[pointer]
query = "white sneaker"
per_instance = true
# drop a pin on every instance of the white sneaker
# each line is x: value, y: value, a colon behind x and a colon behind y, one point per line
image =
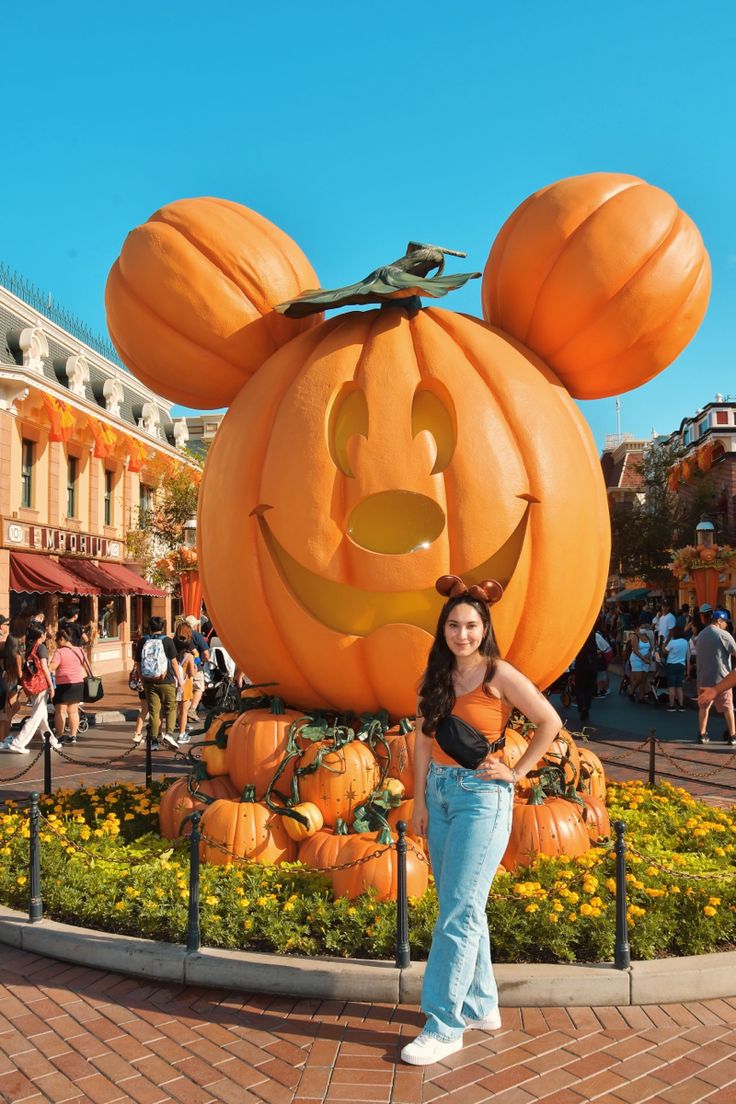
x: 425, y: 1050
x: 138, y: 739
x: 169, y: 741
x: 16, y: 748
x: 55, y: 744
x: 491, y: 1022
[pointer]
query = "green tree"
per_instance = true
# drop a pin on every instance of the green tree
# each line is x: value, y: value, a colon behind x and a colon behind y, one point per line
x: 644, y: 535
x: 162, y: 527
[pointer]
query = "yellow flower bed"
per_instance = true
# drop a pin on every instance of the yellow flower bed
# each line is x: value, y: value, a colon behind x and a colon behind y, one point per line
x: 105, y: 866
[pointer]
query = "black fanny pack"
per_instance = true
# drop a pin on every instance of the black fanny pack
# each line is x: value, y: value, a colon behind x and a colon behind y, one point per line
x: 463, y: 743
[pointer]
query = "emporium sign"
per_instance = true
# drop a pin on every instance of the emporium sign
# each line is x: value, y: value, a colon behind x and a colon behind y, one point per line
x: 44, y: 538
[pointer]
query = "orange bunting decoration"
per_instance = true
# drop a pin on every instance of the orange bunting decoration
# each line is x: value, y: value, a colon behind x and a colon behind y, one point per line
x: 61, y: 418
x: 106, y: 438
x: 137, y: 453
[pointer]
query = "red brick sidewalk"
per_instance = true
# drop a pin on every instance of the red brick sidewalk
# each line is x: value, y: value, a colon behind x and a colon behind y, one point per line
x: 72, y: 1034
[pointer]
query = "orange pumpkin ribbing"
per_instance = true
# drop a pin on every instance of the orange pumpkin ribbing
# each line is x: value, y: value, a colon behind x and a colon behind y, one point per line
x: 601, y: 275
x: 516, y: 433
x: 190, y: 299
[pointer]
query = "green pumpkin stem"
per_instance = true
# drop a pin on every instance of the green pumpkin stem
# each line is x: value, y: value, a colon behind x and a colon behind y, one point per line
x: 248, y: 795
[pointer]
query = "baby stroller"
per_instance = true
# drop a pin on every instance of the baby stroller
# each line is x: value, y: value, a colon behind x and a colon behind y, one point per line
x: 221, y: 693
x: 83, y: 721
x: 657, y: 693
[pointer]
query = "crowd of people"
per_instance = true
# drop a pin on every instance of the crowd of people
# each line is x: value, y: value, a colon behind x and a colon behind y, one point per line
x: 659, y: 650
x: 45, y: 667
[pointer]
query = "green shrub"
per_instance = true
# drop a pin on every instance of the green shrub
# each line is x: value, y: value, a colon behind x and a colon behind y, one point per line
x: 105, y: 866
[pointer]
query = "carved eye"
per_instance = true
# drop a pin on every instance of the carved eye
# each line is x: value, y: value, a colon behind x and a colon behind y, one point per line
x: 433, y: 409
x: 348, y: 416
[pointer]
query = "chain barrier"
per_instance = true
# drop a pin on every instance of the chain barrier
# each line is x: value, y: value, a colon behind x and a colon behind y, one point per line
x: 643, y: 746
x: 93, y: 762
x: 31, y: 765
x: 678, y: 764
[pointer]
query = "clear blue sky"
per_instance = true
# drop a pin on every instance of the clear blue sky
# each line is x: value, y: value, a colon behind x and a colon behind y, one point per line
x: 357, y: 127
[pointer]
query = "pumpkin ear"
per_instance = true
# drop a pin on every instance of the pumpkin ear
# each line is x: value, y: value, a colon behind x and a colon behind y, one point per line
x: 601, y: 275
x: 190, y: 299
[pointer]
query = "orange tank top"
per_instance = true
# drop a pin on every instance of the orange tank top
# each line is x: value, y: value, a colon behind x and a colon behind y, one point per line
x: 488, y: 715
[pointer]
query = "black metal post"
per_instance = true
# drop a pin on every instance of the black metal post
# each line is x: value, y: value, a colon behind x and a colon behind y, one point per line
x: 621, y: 952
x: 47, y: 764
x: 403, y: 952
x: 149, y: 756
x: 193, y: 918
x: 35, y: 904
x: 652, y: 755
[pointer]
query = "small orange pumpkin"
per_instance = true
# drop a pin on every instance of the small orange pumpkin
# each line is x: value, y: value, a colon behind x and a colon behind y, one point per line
x: 311, y: 813
x: 324, y: 849
x: 345, y: 778
x: 401, y: 740
x: 596, y: 817
x: 379, y: 873
x: 544, y: 826
x: 256, y: 745
x: 214, y: 747
x: 244, y: 830
x: 592, y: 775
x: 186, y: 796
x: 563, y: 753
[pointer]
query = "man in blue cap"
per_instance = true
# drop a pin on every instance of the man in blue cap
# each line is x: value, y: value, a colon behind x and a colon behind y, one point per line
x: 714, y: 648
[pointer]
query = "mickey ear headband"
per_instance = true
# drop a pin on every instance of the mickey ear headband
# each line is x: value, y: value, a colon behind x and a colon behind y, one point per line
x: 452, y: 586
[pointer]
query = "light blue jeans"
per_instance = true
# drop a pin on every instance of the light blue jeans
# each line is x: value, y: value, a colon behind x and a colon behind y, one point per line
x: 469, y: 826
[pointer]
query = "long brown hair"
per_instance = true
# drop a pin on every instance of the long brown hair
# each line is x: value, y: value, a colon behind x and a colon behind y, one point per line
x: 436, y: 692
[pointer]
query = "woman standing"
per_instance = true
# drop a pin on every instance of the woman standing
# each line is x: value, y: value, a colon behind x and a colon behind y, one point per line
x: 68, y: 666
x: 11, y: 672
x: 465, y: 812
x: 642, y: 652
x: 185, y: 653
x: 37, y: 683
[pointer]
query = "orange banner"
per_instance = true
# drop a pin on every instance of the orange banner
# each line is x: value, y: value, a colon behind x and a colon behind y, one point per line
x: 105, y: 437
x: 137, y: 453
x: 62, y: 420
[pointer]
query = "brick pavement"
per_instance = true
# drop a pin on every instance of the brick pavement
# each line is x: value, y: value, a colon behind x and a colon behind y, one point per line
x: 68, y: 1033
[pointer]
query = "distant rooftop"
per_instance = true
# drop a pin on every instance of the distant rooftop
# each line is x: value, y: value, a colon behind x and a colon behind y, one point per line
x: 44, y: 302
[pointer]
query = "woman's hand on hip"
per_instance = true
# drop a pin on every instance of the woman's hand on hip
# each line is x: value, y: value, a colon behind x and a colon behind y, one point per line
x: 496, y: 770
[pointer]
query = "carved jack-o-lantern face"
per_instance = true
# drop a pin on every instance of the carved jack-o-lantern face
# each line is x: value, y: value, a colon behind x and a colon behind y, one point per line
x: 365, y: 459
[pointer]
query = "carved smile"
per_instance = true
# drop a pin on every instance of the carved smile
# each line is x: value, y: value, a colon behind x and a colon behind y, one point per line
x: 354, y: 612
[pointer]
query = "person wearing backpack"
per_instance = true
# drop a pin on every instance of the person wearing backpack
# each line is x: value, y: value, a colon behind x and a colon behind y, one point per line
x: 36, y: 681
x: 155, y: 655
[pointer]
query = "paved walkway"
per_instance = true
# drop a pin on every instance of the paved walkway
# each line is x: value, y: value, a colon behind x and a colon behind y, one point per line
x: 68, y: 1033
x: 72, y: 1034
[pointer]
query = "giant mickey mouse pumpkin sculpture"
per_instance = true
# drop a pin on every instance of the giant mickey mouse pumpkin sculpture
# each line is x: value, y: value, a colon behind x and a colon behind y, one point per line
x: 379, y: 449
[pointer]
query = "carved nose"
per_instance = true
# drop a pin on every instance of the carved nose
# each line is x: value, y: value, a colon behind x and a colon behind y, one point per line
x: 395, y: 522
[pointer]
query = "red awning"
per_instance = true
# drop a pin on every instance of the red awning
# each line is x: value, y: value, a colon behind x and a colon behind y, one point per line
x: 31, y: 573
x: 128, y: 581
x: 98, y: 576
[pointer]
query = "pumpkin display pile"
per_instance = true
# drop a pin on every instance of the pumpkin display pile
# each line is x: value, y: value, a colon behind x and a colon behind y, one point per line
x: 356, y: 464
x: 274, y: 786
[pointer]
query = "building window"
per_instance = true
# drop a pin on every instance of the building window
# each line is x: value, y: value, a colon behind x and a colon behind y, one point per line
x: 26, y: 473
x: 688, y: 435
x: 703, y: 427
x: 721, y: 417
x: 108, y: 498
x: 144, y: 499
x: 71, y: 486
